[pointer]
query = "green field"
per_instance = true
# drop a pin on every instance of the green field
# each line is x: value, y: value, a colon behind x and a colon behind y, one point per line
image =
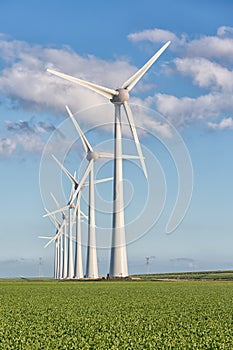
x: 116, y: 315
x: 190, y: 276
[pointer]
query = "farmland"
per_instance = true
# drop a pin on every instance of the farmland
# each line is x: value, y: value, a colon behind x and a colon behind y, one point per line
x: 116, y: 315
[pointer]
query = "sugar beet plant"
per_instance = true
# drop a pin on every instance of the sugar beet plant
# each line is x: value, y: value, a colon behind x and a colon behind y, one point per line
x: 116, y: 315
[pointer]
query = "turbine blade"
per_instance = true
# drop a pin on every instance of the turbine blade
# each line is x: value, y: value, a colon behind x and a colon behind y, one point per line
x: 56, y: 235
x: 55, y: 200
x: 88, y: 169
x: 83, y: 215
x: 56, y: 211
x: 78, y: 196
x: 106, y: 155
x: 85, y: 142
x: 135, y: 135
x: 130, y: 156
x: 106, y: 92
x: 103, y: 180
x: 77, y: 205
x: 50, y: 241
x: 72, y: 178
x: 56, y: 222
x: 54, y: 218
x: 72, y: 188
x: 71, y: 193
x: 111, y: 156
x: 132, y: 81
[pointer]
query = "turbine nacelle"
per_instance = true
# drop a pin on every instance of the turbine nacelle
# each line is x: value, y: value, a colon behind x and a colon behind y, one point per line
x: 92, y: 155
x: 121, y: 97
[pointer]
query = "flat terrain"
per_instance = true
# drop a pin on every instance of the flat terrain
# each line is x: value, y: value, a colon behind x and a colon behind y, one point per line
x: 189, y: 276
x: 116, y: 315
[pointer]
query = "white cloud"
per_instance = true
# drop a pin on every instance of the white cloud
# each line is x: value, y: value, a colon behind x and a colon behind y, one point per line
x: 30, y: 144
x: 205, y: 73
x: 26, y: 136
x: 224, y: 124
x: 7, y: 147
x: 212, y: 47
x: 218, y: 47
x: 25, y: 78
x: 187, y: 110
x: 155, y: 35
x: 225, y: 31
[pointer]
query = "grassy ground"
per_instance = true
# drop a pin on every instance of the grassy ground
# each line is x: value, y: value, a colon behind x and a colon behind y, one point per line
x: 203, y: 275
x: 116, y: 315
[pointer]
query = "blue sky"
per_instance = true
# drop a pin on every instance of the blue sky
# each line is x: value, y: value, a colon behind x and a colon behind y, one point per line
x: 191, y: 88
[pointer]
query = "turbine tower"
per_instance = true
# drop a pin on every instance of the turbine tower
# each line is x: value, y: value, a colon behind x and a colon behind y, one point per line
x: 119, y: 97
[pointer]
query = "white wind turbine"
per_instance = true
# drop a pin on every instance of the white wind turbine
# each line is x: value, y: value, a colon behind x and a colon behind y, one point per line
x: 119, y: 97
x: 78, y: 265
x: 58, y: 248
x: 91, y: 264
x: 68, y: 261
x: 56, y: 260
x: 93, y: 273
x: 62, y: 242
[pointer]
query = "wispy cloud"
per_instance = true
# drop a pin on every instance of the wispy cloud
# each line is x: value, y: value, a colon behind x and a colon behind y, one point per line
x: 7, y: 147
x: 157, y: 35
x: 218, y: 46
x: 224, y: 124
x: 187, y: 110
x: 26, y: 135
x: 206, y: 74
x: 28, y: 127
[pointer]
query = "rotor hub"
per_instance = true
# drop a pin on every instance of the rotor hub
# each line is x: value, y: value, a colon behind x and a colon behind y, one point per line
x: 92, y: 155
x: 123, y: 96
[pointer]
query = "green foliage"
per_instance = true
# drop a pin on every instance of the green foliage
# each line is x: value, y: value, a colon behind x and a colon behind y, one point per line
x: 116, y: 315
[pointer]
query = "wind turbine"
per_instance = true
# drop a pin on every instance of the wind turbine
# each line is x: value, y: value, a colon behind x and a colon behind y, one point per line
x: 119, y: 97
x: 78, y: 265
x: 57, y: 239
x: 56, y: 264
x: 68, y: 261
x: 62, y: 242
x: 91, y: 265
x: 78, y: 272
